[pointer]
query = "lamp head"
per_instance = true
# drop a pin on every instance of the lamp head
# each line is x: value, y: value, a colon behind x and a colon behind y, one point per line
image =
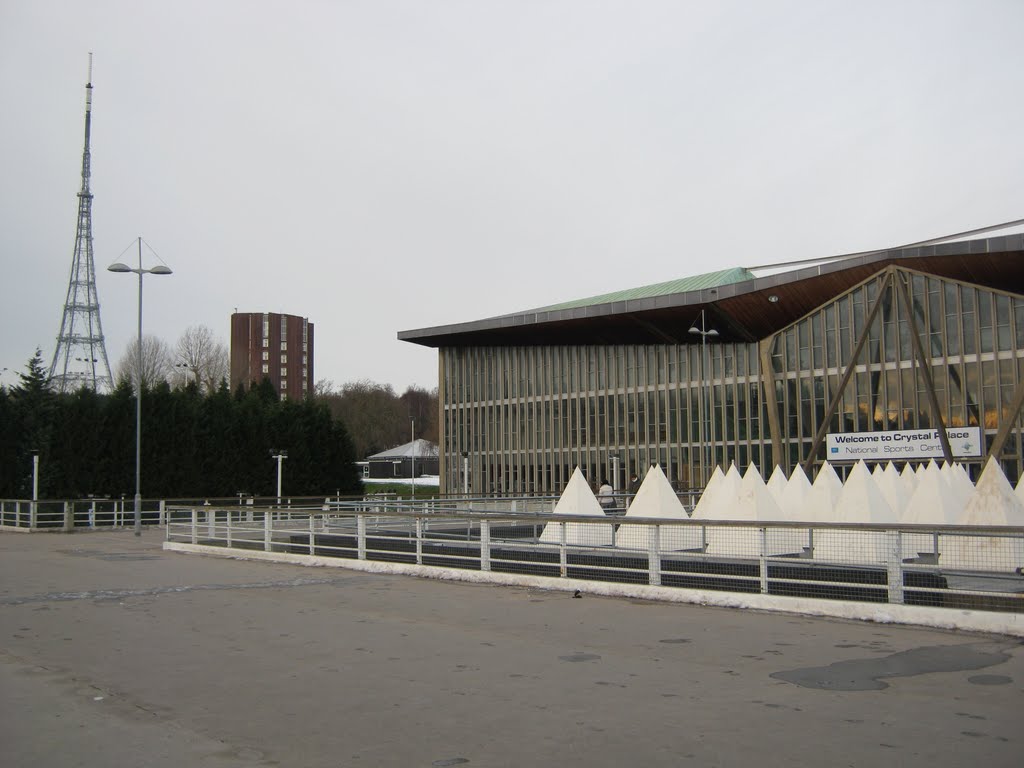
x: 160, y: 269
x: 694, y: 329
x: 119, y: 267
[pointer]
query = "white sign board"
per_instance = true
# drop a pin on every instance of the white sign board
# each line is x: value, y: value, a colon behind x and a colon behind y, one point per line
x: 903, y: 444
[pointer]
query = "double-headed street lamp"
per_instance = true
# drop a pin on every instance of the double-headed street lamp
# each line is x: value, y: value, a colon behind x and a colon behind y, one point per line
x: 189, y: 367
x: 704, y: 332
x: 159, y: 269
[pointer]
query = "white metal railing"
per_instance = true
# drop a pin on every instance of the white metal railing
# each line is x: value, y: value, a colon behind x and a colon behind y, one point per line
x: 68, y: 515
x: 978, y: 568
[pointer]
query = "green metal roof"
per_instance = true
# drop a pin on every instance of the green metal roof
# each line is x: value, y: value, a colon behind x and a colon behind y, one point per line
x: 682, y: 285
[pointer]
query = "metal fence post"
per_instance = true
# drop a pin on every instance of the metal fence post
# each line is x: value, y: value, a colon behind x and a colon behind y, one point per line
x: 894, y: 566
x: 312, y: 535
x: 92, y: 515
x: 419, y: 541
x: 211, y: 522
x: 654, y: 555
x: 227, y: 532
x: 268, y: 529
x: 762, y: 561
x: 69, y: 517
x: 163, y: 512
x: 485, y: 545
x: 33, y: 515
x: 361, y: 537
x: 563, y: 569
x: 195, y: 525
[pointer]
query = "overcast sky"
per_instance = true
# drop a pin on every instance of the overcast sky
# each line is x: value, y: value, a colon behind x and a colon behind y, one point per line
x: 385, y: 165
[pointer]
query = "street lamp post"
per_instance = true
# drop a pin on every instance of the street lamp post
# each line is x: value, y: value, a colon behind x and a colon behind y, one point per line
x: 280, y: 456
x: 35, y: 488
x: 413, y: 470
x: 704, y: 332
x: 188, y: 367
x: 615, y: 471
x: 159, y: 269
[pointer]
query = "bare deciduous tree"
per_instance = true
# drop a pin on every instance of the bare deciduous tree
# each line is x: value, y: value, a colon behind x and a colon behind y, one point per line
x: 378, y: 419
x: 201, y: 358
x: 156, y: 362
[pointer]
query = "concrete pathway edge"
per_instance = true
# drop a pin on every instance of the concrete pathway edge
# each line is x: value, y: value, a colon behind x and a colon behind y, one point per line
x: 938, y: 618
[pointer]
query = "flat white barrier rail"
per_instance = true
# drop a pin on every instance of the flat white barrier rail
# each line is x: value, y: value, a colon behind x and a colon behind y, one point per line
x: 71, y: 514
x: 952, y: 567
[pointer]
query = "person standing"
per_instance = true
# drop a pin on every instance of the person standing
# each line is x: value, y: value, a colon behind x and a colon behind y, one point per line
x: 605, y: 496
x: 634, y: 486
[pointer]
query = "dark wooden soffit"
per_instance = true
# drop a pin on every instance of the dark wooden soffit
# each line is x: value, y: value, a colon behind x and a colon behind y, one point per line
x: 741, y: 312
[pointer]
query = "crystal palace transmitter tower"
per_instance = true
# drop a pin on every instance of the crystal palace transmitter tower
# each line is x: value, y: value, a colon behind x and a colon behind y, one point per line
x: 80, y: 359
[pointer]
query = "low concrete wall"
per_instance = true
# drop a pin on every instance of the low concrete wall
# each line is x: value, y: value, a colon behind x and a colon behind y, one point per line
x: 940, y: 618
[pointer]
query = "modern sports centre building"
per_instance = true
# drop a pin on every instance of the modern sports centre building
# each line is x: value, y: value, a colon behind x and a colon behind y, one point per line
x: 728, y: 366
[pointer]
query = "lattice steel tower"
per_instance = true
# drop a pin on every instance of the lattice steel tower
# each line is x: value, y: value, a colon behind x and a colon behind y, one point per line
x: 81, y: 356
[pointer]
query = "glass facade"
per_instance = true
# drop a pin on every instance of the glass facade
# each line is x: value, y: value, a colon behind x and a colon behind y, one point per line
x: 524, y: 417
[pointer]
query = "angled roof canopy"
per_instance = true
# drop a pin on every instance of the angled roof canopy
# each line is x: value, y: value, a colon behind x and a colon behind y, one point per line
x: 739, y: 305
x: 417, y: 449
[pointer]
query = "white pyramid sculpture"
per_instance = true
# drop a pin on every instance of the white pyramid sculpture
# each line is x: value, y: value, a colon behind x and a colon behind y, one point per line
x: 777, y: 483
x: 755, y: 499
x: 860, y: 502
x: 706, y: 499
x: 961, y: 489
x: 578, y: 499
x: 877, y: 471
x: 793, y: 505
x: 749, y: 503
x: 657, y: 498
x: 719, y: 497
x: 794, y: 496
x: 824, y: 495
x: 947, y: 471
x: 778, y: 540
x: 727, y: 496
x: 1019, y: 490
x: 932, y: 503
x: 909, y: 478
x: 893, y: 489
x: 993, y: 503
x: 892, y: 475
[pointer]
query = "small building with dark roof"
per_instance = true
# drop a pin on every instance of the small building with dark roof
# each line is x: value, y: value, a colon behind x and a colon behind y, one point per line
x: 414, y: 459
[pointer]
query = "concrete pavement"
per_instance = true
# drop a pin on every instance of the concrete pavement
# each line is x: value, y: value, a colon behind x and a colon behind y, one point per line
x: 115, y: 652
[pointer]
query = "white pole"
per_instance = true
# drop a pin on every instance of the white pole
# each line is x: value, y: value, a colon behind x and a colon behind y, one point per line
x: 413, y: 458
x: 705, y: 408
x: 33, y: 516
x: 138, y: 412
x: 280, y: 457
x: 705, y: 393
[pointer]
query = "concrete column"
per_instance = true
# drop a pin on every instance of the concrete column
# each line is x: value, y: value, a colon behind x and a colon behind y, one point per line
x: 894, y: 566
x: 654, y: 555
x: 485, y: 545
